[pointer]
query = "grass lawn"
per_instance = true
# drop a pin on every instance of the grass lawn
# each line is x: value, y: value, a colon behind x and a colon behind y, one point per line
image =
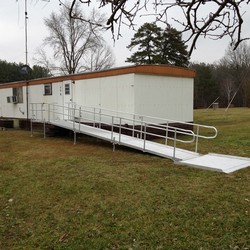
x: 56, y: 195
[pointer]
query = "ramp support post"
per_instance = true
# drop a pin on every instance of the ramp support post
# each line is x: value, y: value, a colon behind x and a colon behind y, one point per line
x: 174, y: 144
x: 166, y: 141
x: 145, y: 135
x: 113, y: 141
x: 74, y: 137
x: 31, y: 121
x: 31, y: 127
x: 197, y: 138
x: 44, y: 129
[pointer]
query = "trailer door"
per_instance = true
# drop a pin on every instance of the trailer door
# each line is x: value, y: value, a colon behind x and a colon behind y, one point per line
x: 67, y: 93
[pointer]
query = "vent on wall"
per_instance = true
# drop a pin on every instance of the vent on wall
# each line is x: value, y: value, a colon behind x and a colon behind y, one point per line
x: 12, y: 99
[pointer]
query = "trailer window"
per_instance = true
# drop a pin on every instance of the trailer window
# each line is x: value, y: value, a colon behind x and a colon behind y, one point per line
x: 18, y: 93
x: 48, y: 89
x: 67, y: 89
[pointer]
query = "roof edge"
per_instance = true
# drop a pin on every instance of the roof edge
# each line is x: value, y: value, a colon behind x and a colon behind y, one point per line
x: 161, y: 70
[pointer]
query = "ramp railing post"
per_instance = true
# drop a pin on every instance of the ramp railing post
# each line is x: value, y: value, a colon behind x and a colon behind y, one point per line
x: 49, y: 112
x: 44, y: 129
x: 100, y: 118
x: 79, y: 119
x: 133, y: 132
x: 63, y: 110
x: 141, y: 127
x: 174, y: 143
x: 113, y: 144
x: 112, y: 128
x: 145, y: 131
x: 31, y: 120
x: 166, y: 141
x: 42, y: 112
x: 197, y: 138
x: 74, y: 124
x: 120, y: 129
x: 94, y: 117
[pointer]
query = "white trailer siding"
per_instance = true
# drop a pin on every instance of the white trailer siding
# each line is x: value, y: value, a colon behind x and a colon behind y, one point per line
x: 113, y: 92
x: 165, y: 97
x: 151, y: 90
x: 17, y: 110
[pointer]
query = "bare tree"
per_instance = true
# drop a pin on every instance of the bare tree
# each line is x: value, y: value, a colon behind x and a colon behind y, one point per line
x: 100, y: 59
x: 228, y: 89
x: 200, y: 18
x: 41, y: 58
x: 238, y: 65
x: 72, y: 40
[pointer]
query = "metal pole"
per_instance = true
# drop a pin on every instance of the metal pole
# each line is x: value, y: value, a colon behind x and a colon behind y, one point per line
x: 74, y: 128
x: 100, y: 118
x: 133, y: 133
x: 31, y: 126
x: 112, y: 127
x: 174, y: 143
x: 114, y: 144
x: 197, y: 138
x: 145, y: 131
x: 166, y: 142
x: 49, y: 112
x: 44, y: 129
x: 120, y: 129
x: 141, y: 127
x: 26, y: 33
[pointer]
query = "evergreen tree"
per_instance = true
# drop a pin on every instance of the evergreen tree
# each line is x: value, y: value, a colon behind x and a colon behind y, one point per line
x: 157, y: 46
x: 10, y: 72
x: 173, y: 51
x: 147, y: 38
x: 206, y: 86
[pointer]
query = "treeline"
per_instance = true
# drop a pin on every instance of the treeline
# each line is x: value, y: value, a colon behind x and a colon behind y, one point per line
x: 12, y: 72
x: 227, y: 82
x: 218, y: 83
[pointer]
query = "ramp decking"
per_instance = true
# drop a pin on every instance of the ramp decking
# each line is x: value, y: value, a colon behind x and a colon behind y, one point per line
x: 89, y: 121
x: 214, y: 162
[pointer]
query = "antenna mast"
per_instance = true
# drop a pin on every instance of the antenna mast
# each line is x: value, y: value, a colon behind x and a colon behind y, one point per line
x: 26, y: 29
x: 26, y: 33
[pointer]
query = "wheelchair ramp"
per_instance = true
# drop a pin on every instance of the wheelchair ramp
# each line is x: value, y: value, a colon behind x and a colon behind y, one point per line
x: 218, y: 162
x: 211, y: 161
x: 129, y: 141
x: 134, y: 131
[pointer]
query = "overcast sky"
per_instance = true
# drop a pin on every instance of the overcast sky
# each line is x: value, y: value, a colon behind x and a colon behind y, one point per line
x: 12, y: 30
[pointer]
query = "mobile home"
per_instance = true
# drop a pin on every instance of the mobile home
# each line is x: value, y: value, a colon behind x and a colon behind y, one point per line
x: 152, y: 90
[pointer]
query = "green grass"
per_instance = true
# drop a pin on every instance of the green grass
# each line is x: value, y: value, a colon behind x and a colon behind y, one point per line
x: 56, y: 195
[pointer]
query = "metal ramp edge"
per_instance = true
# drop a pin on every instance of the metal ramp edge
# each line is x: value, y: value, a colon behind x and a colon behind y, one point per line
x: 129, y: 141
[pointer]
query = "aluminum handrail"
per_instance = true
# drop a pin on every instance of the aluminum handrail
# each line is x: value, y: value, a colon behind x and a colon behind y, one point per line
x: 170, y: 128
x: 163, y: 121
x: 79, y: 114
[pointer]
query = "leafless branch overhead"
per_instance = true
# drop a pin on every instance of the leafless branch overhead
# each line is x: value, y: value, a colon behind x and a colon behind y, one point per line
x: 200, y: 18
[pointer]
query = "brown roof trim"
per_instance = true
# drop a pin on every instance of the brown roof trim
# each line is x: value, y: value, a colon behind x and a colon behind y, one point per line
x: 162, y: 70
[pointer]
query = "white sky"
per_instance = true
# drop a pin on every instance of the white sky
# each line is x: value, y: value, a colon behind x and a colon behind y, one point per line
x: 12, y: 30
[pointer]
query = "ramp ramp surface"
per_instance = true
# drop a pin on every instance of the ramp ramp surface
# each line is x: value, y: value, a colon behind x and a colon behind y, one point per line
x: 211, y: 161
x: 218, y: 162
x: 129, y: 141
